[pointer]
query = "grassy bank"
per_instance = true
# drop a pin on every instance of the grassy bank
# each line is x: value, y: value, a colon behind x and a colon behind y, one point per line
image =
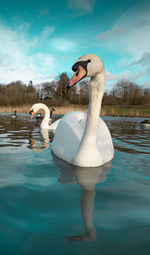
x: 58, y: 109
x: 133, y: 111
x: 136, y: 111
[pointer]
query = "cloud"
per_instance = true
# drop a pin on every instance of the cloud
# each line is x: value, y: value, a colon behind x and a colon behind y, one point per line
x: 144, y: 59
x: 43, y: 12
x: 112, y: 79
x: 146, y: 84
x: 47, y: 31
x: 84, y: 6
x: 130, y: 33
x: 129, y: 38
x: 115, y: 77
x: 17, y: 60
x: 62, y: 44
x: 112, y: 33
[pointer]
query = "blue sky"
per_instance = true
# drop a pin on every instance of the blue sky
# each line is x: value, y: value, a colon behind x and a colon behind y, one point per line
x: 41, y: 39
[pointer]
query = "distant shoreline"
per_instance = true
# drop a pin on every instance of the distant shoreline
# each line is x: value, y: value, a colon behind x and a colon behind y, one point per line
x: 122, y: 111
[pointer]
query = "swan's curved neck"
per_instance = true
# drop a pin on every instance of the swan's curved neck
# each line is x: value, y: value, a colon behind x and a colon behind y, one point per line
x: 45, y: 121
x: 96, y: 91
x: 88, y: 146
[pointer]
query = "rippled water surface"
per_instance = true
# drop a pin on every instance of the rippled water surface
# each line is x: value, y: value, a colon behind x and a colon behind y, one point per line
x: 50, y: 207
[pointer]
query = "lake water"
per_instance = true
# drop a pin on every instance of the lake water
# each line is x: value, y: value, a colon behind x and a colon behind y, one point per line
x: 49, y: 207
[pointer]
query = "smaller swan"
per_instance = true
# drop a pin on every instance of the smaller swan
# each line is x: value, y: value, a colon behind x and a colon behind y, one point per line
x: 46, y: 119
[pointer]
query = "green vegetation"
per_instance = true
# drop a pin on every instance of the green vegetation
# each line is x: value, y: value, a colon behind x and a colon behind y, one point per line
x: 133, y: 111
x: 125, y: 99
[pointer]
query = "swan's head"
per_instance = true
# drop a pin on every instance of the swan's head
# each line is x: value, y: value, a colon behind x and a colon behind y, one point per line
x: 86, y: 66
x: 35, y: 108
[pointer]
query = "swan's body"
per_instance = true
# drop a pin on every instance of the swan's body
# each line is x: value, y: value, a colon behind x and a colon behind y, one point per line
x: 84, y: 139
x: 46, y: 120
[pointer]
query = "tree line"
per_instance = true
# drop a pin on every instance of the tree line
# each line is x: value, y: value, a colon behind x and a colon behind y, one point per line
x: 55, y: 93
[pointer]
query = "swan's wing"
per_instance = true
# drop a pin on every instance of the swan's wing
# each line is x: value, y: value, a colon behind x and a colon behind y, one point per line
x: 79, y: 116
x: 54, y: 125
x: 68, y: 135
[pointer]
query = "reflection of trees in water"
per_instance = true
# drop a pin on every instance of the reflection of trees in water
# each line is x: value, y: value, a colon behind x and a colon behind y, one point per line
x: 87, y: 178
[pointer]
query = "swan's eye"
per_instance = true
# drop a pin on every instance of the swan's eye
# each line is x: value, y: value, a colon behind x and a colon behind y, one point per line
x: 77, y: 72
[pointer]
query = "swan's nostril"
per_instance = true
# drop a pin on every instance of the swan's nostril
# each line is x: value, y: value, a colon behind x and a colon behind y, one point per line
x: 77, y: 72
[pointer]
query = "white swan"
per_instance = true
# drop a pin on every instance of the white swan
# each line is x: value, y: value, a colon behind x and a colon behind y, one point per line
x: 46, y: 120
x: 80, y: 139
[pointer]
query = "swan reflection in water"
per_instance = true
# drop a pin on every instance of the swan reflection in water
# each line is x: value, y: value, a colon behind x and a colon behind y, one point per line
x: 46, y: 138
x: 87, y: 178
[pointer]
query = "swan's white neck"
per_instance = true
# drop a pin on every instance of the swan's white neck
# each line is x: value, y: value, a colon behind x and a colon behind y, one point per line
x: 45, y: 121
x: 88, y: 152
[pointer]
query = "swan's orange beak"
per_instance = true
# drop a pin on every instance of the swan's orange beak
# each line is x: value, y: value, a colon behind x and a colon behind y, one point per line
x: 31, y: 114
x: 78, y: 76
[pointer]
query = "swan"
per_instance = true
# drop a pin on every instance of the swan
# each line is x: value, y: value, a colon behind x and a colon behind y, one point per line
x: 84, y: 139
x: 46, y: 120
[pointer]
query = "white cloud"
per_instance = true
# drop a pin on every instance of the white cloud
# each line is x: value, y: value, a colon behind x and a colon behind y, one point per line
x: 130, y: 33
x: 130, y: 38
x: 112, y: 79
x: 115, y: 77
x: 43, y: 12
x: 146, y: 84
x: 85, y: 6
x: 16, y: 60
x: 143, y: 60
x: 62, y: 44
x: 111, y: 33
x: 47, y: 31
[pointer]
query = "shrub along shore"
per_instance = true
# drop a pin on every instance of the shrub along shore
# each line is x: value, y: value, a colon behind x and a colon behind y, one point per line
x: 125, y: 111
